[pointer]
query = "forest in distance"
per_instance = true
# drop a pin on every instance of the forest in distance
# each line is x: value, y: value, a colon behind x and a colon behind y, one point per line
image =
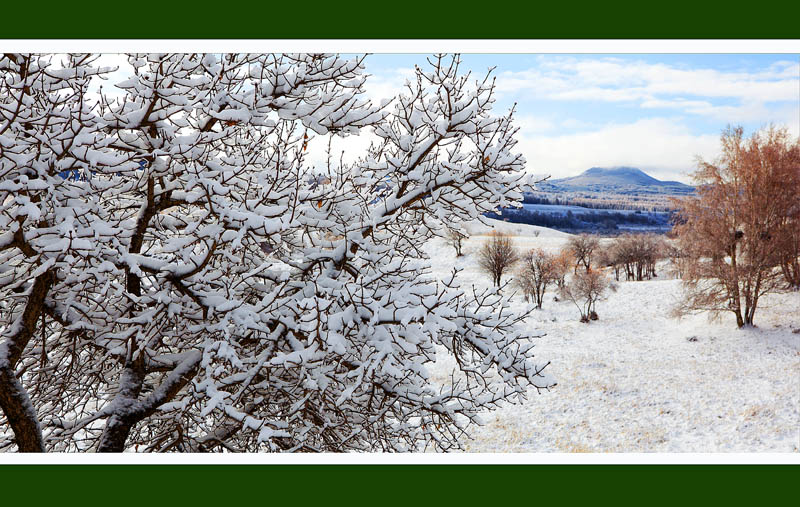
x: 606, y: 201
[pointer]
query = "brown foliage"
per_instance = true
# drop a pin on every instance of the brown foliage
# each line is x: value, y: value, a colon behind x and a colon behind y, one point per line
x: 740, y: 227
x: 789, y: 239
x: 497, y: 255
x: 672, y: 252
x: 562, y: 262
x: 537, y: 270
x: 585, y: 289
x: 636, y: 255
x: 583, y: 248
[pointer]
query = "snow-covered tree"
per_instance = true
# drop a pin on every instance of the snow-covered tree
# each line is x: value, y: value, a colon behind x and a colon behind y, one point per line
x: 176, y: 275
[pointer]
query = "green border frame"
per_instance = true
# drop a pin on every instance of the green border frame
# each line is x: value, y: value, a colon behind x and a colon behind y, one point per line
x: 373, y: 484
x: 315, y: 19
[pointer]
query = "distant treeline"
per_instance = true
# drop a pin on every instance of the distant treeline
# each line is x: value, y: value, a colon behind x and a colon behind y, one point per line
x: 613, y: 201
x: 598, y: 222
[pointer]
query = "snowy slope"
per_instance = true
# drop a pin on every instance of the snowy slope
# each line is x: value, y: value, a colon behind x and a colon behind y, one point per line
x: 523, y: 231
x: 639, y: 380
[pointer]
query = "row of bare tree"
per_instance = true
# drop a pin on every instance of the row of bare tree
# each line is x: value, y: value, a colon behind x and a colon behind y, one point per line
x: 635, y: 255
x: 536, y: 270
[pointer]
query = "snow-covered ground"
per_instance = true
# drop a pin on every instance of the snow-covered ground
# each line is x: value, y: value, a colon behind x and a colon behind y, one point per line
x: 639, y: 380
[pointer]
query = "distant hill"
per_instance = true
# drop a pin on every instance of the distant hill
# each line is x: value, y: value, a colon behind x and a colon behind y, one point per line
x: 622, y: 180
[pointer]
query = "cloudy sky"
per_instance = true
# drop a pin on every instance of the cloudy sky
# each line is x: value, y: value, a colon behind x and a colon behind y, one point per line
x: 652, y: 111
x: 655, y: 112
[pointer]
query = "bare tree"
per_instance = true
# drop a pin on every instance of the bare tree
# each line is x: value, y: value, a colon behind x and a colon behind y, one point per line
x: 583, y: 248
x: 536, y: 271
x: 497, y: 255
x: 456, y: 239
x: 607, y: 257
x: 637, y: 254
x: 585, y: 289
x: 562, y: 263
x: 675, y: 256
x: 790, y: 254
x: 733, y: 233
x: 789, y: 247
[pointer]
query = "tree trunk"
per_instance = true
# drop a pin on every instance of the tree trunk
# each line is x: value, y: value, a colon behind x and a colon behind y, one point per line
x: 791, y: 272
x: 20, y: 413
x: 750, y: 313
x: 14, y: 399
x: 739, y: 319
x: 129, y: 410
x: 119, y: 425
x: 115, y: 434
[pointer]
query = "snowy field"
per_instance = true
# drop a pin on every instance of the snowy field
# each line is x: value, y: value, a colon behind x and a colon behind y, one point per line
x: 639, y: 380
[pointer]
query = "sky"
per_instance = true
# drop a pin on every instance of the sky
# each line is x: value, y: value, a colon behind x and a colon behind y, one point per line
x: 656, y: 112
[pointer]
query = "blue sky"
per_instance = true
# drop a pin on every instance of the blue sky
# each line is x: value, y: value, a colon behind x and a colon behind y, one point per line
x: 656, y: 111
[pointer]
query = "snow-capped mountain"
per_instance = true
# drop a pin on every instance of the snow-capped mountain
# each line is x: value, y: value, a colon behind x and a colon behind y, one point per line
x: 617, y: 180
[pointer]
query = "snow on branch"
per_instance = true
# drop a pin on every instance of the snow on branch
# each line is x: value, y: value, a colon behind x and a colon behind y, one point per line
x: 211, y: 287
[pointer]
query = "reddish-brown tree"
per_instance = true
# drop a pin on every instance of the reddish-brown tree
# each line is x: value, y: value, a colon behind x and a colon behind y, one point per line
x: 583, y: 248
x: 789, y: 247
x: 562, y: 262
x: 734, y: 233
x: 636, y: 253
x: 585, y: 289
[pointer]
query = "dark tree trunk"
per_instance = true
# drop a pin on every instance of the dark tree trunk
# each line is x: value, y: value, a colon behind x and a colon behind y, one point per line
x: 14, y: 399
x: 129, y: 410
x: 116, y: 434
x: 20, y: 413
x: 739, y: 319
x: 125, y: 416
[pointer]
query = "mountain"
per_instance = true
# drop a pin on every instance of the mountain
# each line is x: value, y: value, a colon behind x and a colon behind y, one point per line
x: 617, y: 180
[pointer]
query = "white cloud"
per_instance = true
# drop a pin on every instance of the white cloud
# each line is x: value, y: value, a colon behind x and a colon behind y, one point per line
x: 664, y: 147
x: 387, y: 85
x: 615, y: 80
x: 752, y: 112
x: 531, y: 123
x: 575, y: 124
x: 660, y: 146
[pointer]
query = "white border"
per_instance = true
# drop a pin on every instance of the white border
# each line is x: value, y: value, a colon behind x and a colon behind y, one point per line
x: 547, y: 46
x: 544, y: 46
